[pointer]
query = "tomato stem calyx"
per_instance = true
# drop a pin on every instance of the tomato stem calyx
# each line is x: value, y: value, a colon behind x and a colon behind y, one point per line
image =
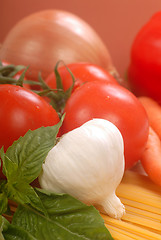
x: 57, y: 97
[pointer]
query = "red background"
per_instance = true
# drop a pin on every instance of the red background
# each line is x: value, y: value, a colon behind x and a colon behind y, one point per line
x: 116, y: 21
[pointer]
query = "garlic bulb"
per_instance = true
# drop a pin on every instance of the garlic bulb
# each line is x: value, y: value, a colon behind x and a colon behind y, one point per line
x: 88, y: 164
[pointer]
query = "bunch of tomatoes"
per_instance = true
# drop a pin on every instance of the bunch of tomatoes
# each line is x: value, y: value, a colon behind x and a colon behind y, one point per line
x: 86, y: 91
x: 83, y: 89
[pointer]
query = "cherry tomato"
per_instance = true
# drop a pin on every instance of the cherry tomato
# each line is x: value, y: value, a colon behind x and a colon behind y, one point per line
x: 116, y: 104
x: 83, y: 72
x: 21, y: 110
x: 144, y: 72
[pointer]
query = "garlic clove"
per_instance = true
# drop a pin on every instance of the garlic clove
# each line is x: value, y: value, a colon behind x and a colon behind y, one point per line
x: 88, y: 164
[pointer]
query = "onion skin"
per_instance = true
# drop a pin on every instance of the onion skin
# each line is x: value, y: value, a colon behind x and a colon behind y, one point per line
x: 43, y: 38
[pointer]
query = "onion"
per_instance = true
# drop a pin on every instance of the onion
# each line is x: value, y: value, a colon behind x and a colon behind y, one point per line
x: 43, y: 38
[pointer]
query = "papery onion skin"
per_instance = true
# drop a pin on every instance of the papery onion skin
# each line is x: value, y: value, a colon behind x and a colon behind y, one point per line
x: 43, y: 38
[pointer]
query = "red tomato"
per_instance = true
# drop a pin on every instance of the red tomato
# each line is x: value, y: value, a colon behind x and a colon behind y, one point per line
x: 144, y: 72
x: 21, y: 110
x: 83, y: 72
x: 116, y: 104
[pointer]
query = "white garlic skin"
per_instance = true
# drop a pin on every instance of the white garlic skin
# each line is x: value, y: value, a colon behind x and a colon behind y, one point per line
x: 88, y: 164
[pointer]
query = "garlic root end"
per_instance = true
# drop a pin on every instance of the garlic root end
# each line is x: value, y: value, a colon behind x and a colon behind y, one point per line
x: 113, y: 206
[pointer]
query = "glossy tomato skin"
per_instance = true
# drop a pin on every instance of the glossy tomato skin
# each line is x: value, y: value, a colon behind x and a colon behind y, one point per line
x: 21, y: 110
x: 144, y: 71
x: 116, y: 104
x: 82, y: 72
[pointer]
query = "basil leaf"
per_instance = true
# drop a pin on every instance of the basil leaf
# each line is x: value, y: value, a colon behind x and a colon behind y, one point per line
x: 67, y: 218
x: 3, y: 226
x: 22, y: 164
x: 2, y: 185
x: 25, y: 194
x: 3, y: 203
x: 3, y: 198
x: 10, y: 169
x: 15, y: 189
x: 23, y: 160
x: 16, y: 233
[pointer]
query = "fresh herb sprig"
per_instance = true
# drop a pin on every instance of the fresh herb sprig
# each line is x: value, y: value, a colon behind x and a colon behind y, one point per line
x: 41, y: 214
